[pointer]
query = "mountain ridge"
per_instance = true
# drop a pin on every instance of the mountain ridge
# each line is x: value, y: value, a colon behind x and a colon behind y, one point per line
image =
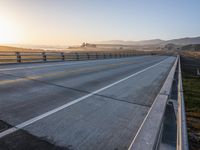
x: 180, y: 41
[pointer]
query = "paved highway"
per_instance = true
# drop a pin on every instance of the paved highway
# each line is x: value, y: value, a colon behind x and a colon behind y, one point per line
x: 98, y: 104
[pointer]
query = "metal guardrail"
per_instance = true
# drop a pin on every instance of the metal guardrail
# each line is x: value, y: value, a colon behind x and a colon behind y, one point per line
x: 49, y: 56
x: 182, y: 136
x: 19, y: 57
x: 149, y: 134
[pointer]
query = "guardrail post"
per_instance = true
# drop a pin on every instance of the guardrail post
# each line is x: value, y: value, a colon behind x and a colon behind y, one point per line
x: 19, y: 59
x: 88, y: 56
x: 77, y: 56
x: 44, y: 56
x: 62, y: 56
x: 97, y: 56
x: 198, y: 72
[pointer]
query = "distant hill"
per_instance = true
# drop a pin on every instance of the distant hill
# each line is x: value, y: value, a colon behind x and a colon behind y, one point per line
x: 18, y: 49
x: 185, y: 41
x: 181, y: 41
x: 191, y: 47
x: 23, y: 48
x: 121, y: 42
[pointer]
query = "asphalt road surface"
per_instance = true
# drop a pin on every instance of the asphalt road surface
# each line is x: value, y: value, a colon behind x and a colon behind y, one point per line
x: 97, y: 104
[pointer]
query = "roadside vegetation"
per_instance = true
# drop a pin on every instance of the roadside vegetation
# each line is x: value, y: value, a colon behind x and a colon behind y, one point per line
x: 190, y: 63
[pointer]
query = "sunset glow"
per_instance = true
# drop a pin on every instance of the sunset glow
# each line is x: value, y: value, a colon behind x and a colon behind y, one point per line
x: 9, y: 31
x: 74, y: 21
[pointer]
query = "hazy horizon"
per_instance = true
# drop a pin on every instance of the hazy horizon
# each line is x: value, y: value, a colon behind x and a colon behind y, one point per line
x: 72, y: 22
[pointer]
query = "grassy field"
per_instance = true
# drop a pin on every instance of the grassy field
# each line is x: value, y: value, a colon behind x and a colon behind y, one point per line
x: 191, y: 85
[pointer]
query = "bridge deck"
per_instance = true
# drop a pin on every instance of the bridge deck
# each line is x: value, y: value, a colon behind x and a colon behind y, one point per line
x: 100, y: 114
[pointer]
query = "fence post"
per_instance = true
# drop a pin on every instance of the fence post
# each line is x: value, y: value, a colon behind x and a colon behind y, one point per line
x: 62, y: 56
x: 19, y: 59
x: 110, y: 55
x: 44, y: 56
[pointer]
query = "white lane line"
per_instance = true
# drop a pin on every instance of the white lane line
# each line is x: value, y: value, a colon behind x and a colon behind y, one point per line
x: 28, y: 122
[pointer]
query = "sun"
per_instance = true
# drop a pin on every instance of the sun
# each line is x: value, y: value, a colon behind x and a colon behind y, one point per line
x: 9, y: 32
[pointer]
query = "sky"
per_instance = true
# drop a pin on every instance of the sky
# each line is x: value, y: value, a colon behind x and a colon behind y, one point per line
x: 69, y: 22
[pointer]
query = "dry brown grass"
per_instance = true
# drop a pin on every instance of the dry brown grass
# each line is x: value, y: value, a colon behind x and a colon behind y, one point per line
x: 18, y: 49
x: 192, y: 54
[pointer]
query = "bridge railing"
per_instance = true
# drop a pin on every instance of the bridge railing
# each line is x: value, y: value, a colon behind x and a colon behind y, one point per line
x: 48, y: 56
x: 19, y: 57
x: 149, y: 135
x: 182, y: 136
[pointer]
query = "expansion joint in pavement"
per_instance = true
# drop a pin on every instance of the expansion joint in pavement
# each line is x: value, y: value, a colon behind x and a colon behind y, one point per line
x: 78, y: 90
x: 124, y: 101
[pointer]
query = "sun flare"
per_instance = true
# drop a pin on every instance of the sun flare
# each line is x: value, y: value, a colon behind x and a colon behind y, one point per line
x: 9, y: 32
